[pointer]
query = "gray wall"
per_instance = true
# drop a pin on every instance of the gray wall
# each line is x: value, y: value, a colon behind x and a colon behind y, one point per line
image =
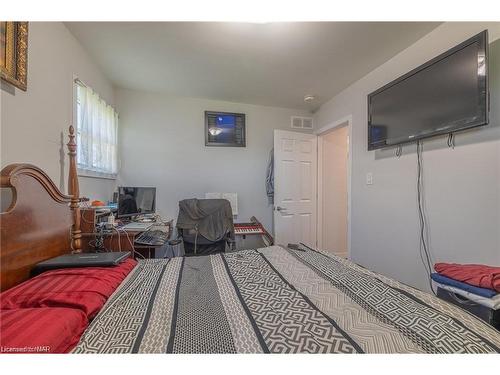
x: 462, y: 186
x: 34, y: 124
x: 163, y: 145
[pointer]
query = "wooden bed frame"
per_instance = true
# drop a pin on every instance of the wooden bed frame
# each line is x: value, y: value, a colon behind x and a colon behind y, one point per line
x: 41, y: 222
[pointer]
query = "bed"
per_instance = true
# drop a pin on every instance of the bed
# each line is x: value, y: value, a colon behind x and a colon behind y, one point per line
x: 268, y: 300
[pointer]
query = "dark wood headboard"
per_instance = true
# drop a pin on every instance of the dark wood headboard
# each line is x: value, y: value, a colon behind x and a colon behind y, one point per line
x: 41, y: 222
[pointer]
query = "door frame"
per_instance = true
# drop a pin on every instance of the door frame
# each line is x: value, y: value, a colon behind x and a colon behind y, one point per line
x: 344, y: 121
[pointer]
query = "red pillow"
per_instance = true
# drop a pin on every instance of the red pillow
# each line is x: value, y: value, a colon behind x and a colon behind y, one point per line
x: 85, y: 288
x: 42, y: 330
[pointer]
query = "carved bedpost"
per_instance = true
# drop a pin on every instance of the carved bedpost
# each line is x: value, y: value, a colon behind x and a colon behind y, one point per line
x: 74, y: 192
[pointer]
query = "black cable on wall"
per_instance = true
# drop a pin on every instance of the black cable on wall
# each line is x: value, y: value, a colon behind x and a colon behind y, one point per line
x: 425, y: 256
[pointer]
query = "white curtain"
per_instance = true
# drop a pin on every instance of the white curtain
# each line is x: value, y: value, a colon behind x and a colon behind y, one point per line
x: 97, y: 125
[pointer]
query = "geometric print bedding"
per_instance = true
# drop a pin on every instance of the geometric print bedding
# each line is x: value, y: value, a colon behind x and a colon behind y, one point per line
x: 276, y: 300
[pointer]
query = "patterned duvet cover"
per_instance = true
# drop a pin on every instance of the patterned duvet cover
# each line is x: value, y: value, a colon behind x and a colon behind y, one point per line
x: 276, y: 300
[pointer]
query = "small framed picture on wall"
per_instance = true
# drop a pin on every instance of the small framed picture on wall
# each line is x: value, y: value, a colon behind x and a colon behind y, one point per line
x: 14, y: 53
x: 225, y: 129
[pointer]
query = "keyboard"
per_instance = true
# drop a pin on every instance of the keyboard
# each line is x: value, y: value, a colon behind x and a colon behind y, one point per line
x: 242, y: 229
x: 152, y: 238
x: 137, y: 226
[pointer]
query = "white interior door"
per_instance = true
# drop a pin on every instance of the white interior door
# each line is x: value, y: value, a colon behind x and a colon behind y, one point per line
x: 295, y: 183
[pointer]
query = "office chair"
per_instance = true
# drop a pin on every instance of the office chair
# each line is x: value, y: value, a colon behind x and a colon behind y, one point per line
x: 205, y: 226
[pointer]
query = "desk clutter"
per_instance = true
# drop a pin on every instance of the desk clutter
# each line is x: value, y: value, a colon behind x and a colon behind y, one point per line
x: 142, y: 238
x: 128, y: 223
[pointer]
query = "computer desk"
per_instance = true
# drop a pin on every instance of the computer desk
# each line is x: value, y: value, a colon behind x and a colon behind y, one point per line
x: 116, y: 239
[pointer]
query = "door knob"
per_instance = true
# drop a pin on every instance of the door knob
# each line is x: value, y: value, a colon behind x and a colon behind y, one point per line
x: 278, y: 208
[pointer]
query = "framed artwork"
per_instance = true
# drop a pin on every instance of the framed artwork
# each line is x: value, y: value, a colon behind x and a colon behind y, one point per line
x: 14, y: 53
x: 225, y: 129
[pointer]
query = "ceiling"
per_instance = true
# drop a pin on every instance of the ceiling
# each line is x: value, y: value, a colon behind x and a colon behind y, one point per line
x: 273, y: 64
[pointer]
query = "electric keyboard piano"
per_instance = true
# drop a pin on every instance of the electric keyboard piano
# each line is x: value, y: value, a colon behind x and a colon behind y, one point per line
x: 244, y: 229
x: 258, y: 236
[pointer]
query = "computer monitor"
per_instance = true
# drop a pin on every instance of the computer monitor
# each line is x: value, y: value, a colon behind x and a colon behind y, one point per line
x: 133, y: 201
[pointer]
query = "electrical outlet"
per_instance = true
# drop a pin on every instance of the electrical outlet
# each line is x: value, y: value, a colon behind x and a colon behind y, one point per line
x: 369, y: 178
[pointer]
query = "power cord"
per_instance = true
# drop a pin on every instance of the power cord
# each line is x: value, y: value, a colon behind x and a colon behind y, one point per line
x: 451, y: 141
x: 99, y: 238
x: 119, y: 240
x: 136, y: 253
x: 426, y: 256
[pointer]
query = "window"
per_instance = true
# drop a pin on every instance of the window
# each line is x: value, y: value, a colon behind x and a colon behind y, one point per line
x: 97, y: 134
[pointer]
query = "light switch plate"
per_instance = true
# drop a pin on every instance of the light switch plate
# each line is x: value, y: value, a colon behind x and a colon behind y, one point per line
x: 369, y: 178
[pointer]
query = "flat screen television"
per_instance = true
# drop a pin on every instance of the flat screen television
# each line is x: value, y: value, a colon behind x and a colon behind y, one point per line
x: 445, y: 95
x: 225, y: 129
x: 133, y: 201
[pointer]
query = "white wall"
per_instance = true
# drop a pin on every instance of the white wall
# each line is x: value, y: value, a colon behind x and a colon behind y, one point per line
x: 334, y: 152
x: 163, y: 145
x: 34, y: 124
x: 462, y: 186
